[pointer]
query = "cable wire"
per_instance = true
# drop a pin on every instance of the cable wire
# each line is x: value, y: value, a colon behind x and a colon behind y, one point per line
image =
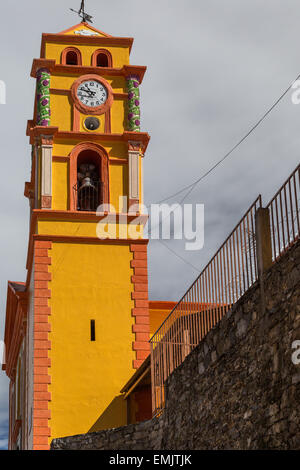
x: 191, y: 186
x: 179, y: 256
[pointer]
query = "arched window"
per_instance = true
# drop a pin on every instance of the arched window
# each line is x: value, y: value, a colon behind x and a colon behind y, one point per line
x: 102, y: 58
x: 71, y: 56
x: 89, y: 177
x: 88, y: 186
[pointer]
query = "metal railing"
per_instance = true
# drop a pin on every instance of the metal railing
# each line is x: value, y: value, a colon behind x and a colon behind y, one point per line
x: 284, y: 215
x: 229, y: 274
x: 88, y: 196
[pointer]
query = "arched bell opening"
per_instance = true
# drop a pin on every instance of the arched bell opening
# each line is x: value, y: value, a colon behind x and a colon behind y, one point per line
x: 89, y: 177
x: 71, y: 56
x: 89, y: 186
x: 102, y: 58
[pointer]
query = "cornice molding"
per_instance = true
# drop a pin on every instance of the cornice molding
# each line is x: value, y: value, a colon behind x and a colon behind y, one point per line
x: 52, y: 66
x: 141, y: 138
x: 85, y: 40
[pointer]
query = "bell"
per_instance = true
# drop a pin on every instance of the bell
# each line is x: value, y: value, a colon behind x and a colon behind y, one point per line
x: 87, y: 184
x: 87, y: 194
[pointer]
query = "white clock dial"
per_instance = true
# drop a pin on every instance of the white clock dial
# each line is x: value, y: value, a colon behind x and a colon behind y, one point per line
x: 92, y: 93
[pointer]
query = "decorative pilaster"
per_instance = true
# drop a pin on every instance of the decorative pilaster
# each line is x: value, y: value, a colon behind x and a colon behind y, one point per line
x: 134, y: 174
x: 134, y: 113
x: 42, y: 346
x: 43, y: 97
x: 46, y: 171
x: 37, y: 173
x: 140, y: 312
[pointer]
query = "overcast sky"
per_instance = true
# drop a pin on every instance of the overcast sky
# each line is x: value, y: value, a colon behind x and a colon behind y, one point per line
x: 214, y: 67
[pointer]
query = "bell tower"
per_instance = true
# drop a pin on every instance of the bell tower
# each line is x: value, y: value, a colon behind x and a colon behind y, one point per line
x: 86, y: 321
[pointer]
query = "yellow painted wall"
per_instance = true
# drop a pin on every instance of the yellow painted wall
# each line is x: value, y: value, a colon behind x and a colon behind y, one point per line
x: 118, y: 178
x: 60, y: 185
x: 89, y: 282
x: 61, y: 112
x: 61, y: 81
x: 118, y: 116
x: 83, y: 228
x: 63, y: 147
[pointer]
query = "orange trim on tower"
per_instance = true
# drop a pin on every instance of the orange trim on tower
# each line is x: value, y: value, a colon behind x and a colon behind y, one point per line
x: 107, y: 122
x: 141, y: 327
x: 51, y: 65
x: 128, y: 136
x: 76, y: 119
x: 42, y: 346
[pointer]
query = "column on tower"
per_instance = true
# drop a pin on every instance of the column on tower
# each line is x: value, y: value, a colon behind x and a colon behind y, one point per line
x: 134, y: 112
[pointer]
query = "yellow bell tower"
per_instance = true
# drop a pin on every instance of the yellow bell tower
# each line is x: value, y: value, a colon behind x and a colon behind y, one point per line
x: 87, y: 318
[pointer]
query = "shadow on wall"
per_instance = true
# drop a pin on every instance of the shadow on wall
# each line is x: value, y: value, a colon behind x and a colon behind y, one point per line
x: 115, y: 413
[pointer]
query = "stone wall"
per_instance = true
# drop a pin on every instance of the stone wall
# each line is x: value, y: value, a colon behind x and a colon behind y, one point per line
x: 238, y: 389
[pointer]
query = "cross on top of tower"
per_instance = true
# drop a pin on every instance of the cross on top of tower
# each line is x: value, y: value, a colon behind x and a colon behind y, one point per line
x: 81, y: 12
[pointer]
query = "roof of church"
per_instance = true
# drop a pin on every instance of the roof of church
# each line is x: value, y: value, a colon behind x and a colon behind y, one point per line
x: 84, y: 33
x: 17, y: 286
x: 137, y: 376
x: 87, y: 29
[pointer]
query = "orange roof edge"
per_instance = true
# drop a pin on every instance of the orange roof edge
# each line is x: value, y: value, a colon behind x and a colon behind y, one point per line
x: 83, y: 23
x: 161, y: 304
x: 17, y: 286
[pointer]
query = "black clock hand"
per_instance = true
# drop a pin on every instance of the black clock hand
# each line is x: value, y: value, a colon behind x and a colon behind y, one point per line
x: 87, y: 96
x: 90, y: 91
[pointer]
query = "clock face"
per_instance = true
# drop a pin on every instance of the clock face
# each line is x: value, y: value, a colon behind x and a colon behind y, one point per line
x: 92, y: 93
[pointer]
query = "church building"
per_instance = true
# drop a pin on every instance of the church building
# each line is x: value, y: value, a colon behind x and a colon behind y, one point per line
x: 77, y: 330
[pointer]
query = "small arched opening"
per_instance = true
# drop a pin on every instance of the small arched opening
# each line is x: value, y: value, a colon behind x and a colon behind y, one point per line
x: 102, y: 58
x: 71, y: 56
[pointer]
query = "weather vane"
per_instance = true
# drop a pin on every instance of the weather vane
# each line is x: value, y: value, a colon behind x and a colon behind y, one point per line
x: 85, y: 16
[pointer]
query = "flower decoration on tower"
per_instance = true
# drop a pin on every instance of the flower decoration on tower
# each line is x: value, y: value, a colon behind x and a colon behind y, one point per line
x: 134, y: 113
x: 43, y: 98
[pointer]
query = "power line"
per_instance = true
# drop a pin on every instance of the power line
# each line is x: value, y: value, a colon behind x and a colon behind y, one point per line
x: 191, y: 186
x: 179, y: 256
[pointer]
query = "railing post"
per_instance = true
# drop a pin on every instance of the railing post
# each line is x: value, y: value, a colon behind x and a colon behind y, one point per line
x: 152, y: 378
x: 263, y: 248
x: 263, y: 240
